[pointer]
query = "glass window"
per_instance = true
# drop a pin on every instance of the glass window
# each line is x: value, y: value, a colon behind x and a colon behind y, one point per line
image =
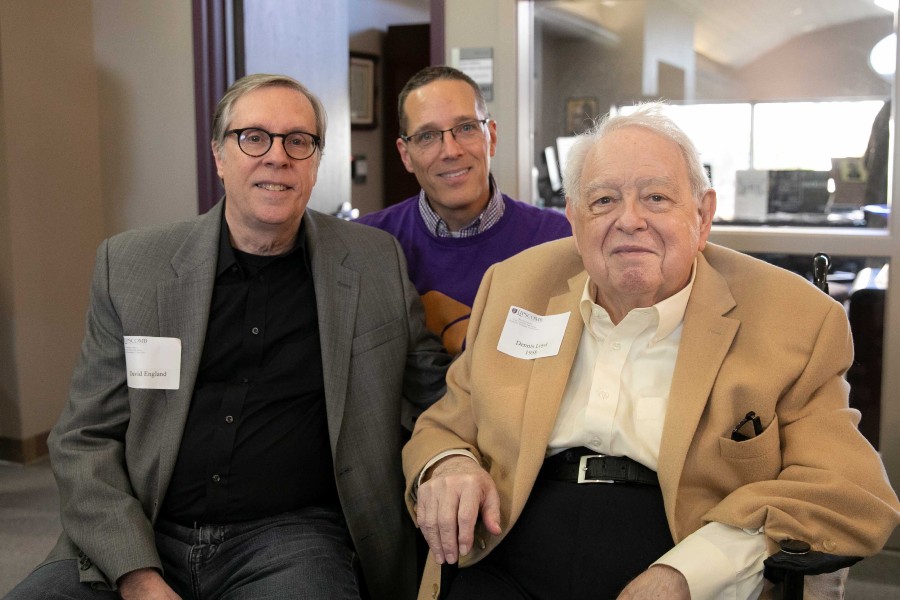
x: 785, y: 118
x: 824, y: 130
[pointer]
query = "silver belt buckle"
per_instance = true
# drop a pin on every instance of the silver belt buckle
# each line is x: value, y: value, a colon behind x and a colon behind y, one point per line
x: 582, y: 470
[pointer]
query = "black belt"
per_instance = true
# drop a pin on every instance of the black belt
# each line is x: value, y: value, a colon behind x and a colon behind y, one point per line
x: 583, y: 465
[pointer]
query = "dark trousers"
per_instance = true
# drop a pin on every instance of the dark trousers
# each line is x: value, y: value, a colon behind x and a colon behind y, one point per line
x: 574, y: 541
x: 301, y: 555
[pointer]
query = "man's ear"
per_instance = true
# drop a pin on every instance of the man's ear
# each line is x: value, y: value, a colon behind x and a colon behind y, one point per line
x: 218, y: 159
x: 492, y: 130
x: 707, y: 212
x: 571, y: 216
x: 404, y: 155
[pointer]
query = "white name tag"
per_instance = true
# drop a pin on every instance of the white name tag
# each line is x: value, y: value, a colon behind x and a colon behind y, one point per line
x: 153, y: 363
x: 527, y: 335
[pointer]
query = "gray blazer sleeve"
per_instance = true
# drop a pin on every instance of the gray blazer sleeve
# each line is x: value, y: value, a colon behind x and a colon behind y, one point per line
x: 100, y: 511
x: 427, y: 361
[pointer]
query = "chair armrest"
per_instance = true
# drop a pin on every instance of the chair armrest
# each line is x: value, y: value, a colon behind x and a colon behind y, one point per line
x: 797, y: 557
x: 795, y: 561
x: 812, y: 563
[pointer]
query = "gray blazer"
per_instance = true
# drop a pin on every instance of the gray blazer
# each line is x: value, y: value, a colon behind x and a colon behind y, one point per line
x: 114, y: 448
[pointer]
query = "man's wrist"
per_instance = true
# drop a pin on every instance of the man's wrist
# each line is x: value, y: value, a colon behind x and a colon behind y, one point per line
x: 428, y: 469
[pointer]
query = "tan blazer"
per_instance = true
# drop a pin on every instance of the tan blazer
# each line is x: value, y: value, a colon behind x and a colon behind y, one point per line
x: 755, y: 337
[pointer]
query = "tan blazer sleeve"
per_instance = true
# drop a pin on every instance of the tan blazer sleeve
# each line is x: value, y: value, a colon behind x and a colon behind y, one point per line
x: 831, y: 489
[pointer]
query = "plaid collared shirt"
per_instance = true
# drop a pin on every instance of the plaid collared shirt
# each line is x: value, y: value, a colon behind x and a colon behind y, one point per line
x: 487, y: 219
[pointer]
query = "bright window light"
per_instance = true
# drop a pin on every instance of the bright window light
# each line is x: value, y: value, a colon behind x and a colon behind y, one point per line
x: 807, y: 135
x: 785, y: 135
x: 884, y: 55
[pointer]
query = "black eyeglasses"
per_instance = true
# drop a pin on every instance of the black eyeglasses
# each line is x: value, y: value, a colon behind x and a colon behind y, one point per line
x: 429, y: 140
x: 255, y: 142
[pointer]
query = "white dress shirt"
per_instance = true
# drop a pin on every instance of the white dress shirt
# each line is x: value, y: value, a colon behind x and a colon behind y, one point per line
x: 615, y: 402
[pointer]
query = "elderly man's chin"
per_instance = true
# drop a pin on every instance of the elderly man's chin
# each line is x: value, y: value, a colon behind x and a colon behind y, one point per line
x: 632, y: 282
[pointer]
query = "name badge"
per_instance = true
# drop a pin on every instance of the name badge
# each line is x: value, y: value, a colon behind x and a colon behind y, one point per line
x: 153, y: 363
x: 527, y: 335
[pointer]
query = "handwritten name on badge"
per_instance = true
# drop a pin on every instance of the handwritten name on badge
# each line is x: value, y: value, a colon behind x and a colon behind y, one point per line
x: 152, y: 363
x: 527, y: 335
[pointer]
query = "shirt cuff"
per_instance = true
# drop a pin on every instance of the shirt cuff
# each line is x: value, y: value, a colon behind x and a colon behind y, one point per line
x: 434, y: 461
x: 720, y: 562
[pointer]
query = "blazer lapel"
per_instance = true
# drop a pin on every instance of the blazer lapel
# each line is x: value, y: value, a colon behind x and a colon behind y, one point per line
x: 705, y: 340
x: 546, y: 386
x: 183, y: 305
x: 337, y: 296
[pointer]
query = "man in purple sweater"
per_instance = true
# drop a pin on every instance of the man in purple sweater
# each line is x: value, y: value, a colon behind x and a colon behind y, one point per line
x: 460, y: 223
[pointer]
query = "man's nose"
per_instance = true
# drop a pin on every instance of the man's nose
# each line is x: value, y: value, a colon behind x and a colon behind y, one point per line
x: 277, y: 155
x: 450, y: 147
x: 631, y: 215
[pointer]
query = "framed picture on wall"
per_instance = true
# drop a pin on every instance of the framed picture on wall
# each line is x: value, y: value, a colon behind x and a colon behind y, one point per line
x: 362, y: 90
x: 580, y: 114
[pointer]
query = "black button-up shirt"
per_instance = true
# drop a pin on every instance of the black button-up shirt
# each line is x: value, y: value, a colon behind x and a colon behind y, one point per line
x: 256, y: 439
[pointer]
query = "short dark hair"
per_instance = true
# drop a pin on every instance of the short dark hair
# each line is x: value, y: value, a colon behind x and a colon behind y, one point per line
x: 245, y: 85
x: 435, y: 73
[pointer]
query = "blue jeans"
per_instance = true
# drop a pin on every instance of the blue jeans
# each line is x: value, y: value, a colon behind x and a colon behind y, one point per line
x: 304, y: 555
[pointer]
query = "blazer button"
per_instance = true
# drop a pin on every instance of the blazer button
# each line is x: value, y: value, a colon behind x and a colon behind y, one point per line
x: 84, y: 563
x: 434, y: 590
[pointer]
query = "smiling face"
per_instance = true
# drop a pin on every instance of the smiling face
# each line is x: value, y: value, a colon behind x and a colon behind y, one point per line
x: 636, y: 225
x: 267, y: 195
x: 454, y: 175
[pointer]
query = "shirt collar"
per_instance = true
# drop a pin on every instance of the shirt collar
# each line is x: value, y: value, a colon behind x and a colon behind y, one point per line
x: 484, y: 221
x: 669, y: 312
x: 226, y: 258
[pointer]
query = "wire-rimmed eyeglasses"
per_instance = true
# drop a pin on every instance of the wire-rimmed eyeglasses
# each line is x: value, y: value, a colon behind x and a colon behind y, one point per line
x: 255, y: 142
x: 464, y: 132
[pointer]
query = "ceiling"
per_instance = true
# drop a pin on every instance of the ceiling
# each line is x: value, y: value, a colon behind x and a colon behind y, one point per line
x: 730, y: 32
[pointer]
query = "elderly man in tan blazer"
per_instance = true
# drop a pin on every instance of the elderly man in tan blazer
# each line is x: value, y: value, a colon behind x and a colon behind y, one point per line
x: 699, y: 391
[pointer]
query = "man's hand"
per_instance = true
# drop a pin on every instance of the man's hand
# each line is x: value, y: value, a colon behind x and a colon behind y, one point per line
x: 145, y: 584
x: 449, y: 504
x: 658, y: 582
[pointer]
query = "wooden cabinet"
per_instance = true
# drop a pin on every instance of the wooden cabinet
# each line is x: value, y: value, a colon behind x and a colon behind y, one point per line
x: 406, y: 51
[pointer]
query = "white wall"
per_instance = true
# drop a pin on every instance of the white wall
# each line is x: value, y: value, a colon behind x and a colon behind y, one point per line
x: 378, y: 14
x: 300, y: 39
x: 145, y: 82
x: 493, y: 24
x: 50, y: 208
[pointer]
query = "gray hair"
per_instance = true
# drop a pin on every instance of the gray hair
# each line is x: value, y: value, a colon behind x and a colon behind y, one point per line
x: 648, y: 115
x: 250, y: 83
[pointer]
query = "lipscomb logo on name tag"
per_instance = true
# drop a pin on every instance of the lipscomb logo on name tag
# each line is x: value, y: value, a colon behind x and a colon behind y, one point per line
x: 528, y: 335
x: 152, y: 363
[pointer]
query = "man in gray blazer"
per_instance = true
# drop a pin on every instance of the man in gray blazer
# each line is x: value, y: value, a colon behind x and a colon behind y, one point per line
x: 234, y: 418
